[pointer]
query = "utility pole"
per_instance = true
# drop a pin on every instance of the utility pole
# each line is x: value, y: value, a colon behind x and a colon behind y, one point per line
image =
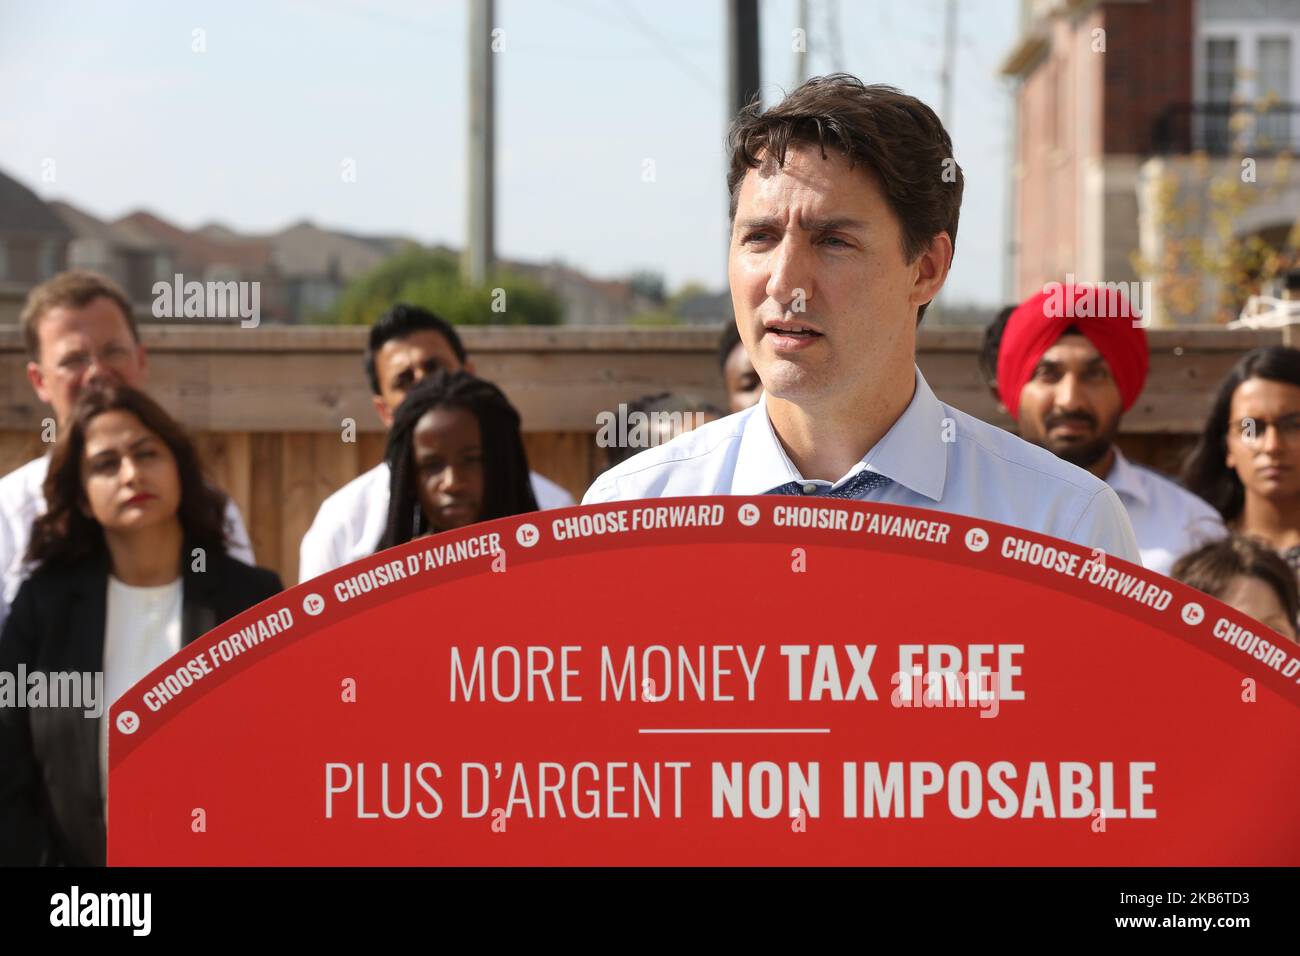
x: 1009, y: 210
x: 949, y: 57
x: 480, y: 247
x: 946, y: 105
x: 834, y: 36
x: 742, y: 62
x: 801, y: 49
x: 742, y: 54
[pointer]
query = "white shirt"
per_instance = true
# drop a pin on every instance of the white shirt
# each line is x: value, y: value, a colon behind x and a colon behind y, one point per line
x: 351, y: 521
x: 938, y: 457
x: 22, y: 501
x: 142, y: 628
x: 1168, y: 519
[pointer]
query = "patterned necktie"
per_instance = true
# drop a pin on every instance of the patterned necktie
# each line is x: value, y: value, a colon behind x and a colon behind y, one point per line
x: 855, y: 487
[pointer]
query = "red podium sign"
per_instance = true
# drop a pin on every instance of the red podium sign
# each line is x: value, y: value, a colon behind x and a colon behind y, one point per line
x: 719, y: 681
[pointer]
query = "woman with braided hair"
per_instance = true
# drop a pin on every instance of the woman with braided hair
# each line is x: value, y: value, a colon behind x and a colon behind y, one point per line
x: 456, y: 457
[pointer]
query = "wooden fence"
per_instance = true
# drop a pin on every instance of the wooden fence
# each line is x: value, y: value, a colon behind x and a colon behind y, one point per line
x: 269, y: 405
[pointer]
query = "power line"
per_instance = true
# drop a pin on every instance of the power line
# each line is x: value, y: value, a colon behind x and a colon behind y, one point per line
x: 671, y: 51
x: 632, y: 19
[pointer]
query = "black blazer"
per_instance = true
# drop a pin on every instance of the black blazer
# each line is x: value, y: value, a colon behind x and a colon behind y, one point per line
x: 51, y: 812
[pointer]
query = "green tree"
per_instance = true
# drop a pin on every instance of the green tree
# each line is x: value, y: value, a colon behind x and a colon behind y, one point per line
x: 1199, y: 214
x: 431, y: 278
x: 649, y: 285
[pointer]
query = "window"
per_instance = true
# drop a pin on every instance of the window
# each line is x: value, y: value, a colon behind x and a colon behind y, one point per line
x: 1220, y: 85
x: 1273, y: 92
x: 1246, y: 86
x: 1220, y: 70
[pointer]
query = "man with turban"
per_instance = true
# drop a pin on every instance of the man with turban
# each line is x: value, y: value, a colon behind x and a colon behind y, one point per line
x: 1072, y: 360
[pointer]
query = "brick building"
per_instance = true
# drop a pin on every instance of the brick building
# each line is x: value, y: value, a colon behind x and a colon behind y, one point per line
x: 1127, y: 114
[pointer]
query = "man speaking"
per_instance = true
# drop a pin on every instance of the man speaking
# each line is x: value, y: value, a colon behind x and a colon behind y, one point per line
x: 844, y: 206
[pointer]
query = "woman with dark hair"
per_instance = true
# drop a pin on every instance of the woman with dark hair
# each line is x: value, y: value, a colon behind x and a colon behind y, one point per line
x: 1246, y: 575
x: 456, y: 457
x: 131, y: 565
x: 1247, y: 460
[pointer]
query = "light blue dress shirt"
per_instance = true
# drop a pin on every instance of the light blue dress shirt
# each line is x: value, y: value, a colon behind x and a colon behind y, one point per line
x: 1169, y: 520
x: 938, y: 457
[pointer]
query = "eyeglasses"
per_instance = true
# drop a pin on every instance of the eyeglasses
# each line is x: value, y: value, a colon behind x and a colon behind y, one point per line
x: 1251, y: 430
x: 74, y: 364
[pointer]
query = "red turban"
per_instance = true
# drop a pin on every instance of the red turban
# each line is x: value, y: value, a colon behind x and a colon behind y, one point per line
x: 1102, y: 314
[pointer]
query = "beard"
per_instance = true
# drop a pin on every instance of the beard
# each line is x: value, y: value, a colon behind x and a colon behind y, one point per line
x: 1083, y: 454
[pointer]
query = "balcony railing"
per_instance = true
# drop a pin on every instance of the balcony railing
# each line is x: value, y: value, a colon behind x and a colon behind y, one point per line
x: 1223, y: 129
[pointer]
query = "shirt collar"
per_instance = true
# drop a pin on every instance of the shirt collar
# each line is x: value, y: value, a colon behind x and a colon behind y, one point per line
x: 1125, y: 479
x: 913, y: 452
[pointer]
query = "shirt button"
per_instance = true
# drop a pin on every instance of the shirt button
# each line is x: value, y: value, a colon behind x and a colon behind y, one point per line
x: 809, y: 489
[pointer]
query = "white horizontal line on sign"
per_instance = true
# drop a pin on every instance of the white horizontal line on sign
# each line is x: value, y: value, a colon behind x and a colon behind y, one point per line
x: 736, y: 730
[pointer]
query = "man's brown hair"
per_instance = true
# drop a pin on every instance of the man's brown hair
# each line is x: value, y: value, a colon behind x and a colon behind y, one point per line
x: 75, y: 289
x: 895, y: 136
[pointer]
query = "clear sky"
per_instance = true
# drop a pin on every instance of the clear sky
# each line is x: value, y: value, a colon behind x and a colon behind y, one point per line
x: 254, y: 131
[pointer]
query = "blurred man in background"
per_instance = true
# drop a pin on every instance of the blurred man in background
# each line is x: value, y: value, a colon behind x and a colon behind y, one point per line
x: 654, y: 419
x: 988, y: 354
x: 1071, y: 360
x: 78, y: 328
x: 744, y: 387
x: 406, y: 344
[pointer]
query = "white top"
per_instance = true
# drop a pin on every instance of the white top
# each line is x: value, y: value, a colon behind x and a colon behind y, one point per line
x: 938, y: 457
x: 1168, y: 519
x: 142, y: 628
x: 22, y: 501
x: 351, y: 521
